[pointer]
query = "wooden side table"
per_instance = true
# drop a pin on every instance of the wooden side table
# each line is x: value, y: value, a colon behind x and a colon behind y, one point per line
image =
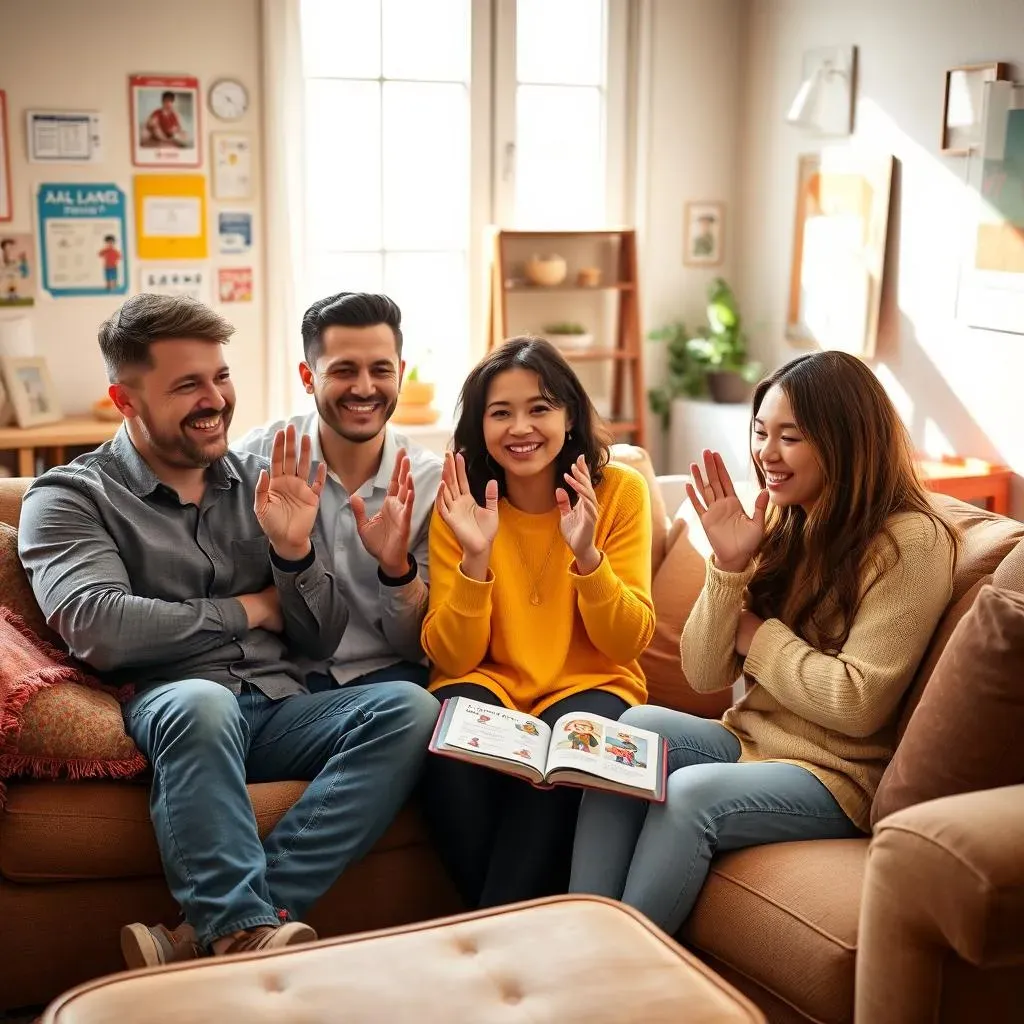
x: 73, y: 432
x: 969, y: 480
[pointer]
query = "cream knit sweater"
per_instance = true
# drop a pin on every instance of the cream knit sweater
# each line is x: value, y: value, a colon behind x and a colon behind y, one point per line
x: 834, y: 715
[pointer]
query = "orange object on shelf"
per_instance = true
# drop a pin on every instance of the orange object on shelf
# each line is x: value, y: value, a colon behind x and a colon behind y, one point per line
x: 969, y: 479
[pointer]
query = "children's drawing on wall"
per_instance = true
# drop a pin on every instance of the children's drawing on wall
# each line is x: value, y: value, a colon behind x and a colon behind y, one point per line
x: 165, y: 121
x: 17, y: 270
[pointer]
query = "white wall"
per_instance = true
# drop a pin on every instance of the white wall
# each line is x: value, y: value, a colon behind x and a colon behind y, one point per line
x: 690, y: 91
x: 77, y: 55
x: 959, y: 389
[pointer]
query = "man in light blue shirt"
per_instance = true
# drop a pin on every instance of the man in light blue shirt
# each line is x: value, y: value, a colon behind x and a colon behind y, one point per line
x: 376, y: 505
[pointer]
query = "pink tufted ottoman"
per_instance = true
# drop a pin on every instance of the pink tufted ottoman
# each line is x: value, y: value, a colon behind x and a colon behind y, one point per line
x: 566, y: 959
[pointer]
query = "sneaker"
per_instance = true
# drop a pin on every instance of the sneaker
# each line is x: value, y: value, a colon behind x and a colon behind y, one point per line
x: 142, y: 946
x: 266, y: 936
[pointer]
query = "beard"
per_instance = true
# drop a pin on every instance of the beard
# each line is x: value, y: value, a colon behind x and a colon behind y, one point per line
x: 177, y: 447
x: 341, y: 422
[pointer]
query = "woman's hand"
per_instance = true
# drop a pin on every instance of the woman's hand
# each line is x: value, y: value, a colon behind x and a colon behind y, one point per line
x: 734, y: 536
x: 474, y: 527
x: 577, y: 523
x: 748, y: 625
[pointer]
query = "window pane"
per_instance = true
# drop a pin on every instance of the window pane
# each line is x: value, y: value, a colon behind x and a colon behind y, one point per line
x: 431, y: 290
x: 343, y: 165
x: 330, y: 273
x: 426, y: 166
x: 559, y: 157
x: 341, y: 38
x: 560, y: 41
x: 427, y: 39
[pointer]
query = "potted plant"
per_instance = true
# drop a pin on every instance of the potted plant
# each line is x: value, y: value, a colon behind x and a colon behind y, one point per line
x: 415, y: 400
x: 720, y: 349
x: 568, y: 335
x: 684, y: 378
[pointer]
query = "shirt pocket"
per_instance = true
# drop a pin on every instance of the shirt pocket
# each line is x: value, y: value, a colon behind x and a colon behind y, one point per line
x: 250, y: 559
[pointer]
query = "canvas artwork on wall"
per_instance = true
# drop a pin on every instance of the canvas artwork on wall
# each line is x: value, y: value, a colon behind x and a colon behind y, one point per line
x: 838, y: 266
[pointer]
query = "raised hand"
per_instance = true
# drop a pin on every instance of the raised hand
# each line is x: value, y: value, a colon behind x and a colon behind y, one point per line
x: 386, y: 535
x: 475, y: 527
x: 578, y: 522
x: 286, y: 502
x: 734, y: 536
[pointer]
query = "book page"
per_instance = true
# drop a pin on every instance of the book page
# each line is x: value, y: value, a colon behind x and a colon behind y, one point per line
x: 611, y: 750
x: 498, y: 732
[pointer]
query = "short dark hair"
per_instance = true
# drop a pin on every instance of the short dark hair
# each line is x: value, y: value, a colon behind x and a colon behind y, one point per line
x: 109, y: 238
x: 164, y: 97
x: 348, y: 309
x: 126, y: 336
x: 559, y: 385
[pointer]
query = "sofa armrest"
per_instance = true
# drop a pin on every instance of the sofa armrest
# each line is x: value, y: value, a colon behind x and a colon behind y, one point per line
x: 943, y: 876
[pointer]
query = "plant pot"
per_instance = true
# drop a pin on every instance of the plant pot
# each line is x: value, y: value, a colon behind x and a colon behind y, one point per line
x: 728, y: 387
x: 416, y: 392
x: 571, y: 341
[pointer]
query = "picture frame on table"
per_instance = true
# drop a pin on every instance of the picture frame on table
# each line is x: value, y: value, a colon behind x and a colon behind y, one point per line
x: 30, y: 390
x: 963, y: 106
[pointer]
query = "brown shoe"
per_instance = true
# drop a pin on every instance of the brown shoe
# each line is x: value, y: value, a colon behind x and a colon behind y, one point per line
x: 268, y: 937
x: 142, y: 946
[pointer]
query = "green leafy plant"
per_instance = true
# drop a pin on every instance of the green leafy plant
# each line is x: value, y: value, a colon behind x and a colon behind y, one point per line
x: 567, y: 327
x: 684, y: 377
x: 413, y: 374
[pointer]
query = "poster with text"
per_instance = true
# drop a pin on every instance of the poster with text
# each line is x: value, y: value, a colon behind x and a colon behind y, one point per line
x: 17, y: 269
x: 192, y: 280
x: 82, y: 238
x: 165, y: 121
x: 234, y: 232
x: 234, y: 284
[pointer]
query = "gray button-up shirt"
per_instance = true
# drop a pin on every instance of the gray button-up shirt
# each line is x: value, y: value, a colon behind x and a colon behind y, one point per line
x: 384, y: 624
x: 143, y: 587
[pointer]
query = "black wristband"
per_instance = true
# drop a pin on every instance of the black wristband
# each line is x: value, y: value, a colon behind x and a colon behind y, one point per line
x: 299, y: 565
x: 400, y: 581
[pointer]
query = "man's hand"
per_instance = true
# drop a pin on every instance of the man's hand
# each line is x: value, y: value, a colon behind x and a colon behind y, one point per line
x: 263, y: 610
x: 386, y: 535
x: 286, y: 502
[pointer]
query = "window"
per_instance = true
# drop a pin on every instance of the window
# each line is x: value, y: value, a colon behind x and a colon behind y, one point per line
x: 426, y: 121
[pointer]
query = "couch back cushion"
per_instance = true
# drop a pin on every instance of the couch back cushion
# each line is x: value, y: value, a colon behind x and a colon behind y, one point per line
x: 12, y: 489
x: 15, y: 591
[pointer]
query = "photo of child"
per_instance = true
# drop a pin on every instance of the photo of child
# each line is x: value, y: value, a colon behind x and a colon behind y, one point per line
x: 163, y: 126
x: 627, y: 749
x: 165, y: 121
x: 582, y: 735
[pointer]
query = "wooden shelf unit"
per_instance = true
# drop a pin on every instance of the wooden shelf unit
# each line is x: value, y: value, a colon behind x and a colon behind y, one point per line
x: 619, y: 283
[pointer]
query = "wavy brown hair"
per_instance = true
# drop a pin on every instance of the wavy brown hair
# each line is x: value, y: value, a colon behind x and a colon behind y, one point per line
x: 559, y: 386
x: 810, y: 565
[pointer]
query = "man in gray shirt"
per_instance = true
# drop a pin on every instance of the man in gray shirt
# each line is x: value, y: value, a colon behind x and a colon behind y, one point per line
x: 376, y: 504
x: 165, y: 560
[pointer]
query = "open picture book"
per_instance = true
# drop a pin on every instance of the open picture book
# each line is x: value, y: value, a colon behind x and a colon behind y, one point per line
x: 581, y: 750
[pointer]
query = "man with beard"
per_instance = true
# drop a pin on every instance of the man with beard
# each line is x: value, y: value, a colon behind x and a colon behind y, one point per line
x: 167, y: 561
x: 376, y: 504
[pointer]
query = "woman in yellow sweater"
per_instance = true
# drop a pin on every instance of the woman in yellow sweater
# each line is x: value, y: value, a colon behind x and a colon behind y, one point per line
x: 825, y: 605
x: 540, y: 577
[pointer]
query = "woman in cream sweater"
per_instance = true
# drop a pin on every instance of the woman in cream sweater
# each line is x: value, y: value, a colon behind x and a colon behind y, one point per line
x: 540, y: 578
x: 825, y: 604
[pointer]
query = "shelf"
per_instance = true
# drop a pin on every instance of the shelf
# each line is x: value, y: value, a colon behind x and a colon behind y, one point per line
x: 539, y: 289
x: 621, y: 426
x: 601, y: 233
x: 592, y: 355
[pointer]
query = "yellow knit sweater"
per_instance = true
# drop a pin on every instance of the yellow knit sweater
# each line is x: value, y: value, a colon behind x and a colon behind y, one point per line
x: 835, y: 716
x: 585, y: 632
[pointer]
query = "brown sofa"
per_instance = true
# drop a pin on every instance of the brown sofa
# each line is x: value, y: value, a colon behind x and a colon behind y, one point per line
x: 798, y: 927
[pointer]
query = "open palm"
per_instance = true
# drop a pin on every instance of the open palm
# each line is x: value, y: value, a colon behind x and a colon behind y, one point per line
x: 733, y: 535
x: 474, y: 526
x: 578, y: 521
x: 386, y: 534
x: 286, y: 502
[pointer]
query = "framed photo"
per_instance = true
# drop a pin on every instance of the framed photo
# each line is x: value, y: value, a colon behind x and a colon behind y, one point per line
x: 30, y: 390
x: 18, y: 279
x: 962, y: 107
x: 6, y: 213
x: 64, y: 137
x: 165, y: 127
x: 703, y: 234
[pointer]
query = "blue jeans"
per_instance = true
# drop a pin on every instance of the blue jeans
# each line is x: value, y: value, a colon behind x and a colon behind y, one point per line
x: 359, y: 747
x: 655, y: 857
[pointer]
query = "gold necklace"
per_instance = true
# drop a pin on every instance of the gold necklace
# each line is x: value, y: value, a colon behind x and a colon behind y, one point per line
x: 535, y: 580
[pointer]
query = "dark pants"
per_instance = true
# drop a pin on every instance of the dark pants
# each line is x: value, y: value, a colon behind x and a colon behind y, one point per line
x: 501, y: 839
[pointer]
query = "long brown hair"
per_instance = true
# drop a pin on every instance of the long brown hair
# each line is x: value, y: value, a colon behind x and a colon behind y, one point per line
x: 810, y: 566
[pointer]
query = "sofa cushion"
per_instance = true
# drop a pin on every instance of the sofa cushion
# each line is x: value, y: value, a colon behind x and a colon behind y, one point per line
x: 637, y: 457
x: 104, y: 829
x: 786, y: 917
x: 965, y: 734
x: 15, y: 591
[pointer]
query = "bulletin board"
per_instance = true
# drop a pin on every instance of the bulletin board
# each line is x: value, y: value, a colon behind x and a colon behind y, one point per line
x: 170, y: 217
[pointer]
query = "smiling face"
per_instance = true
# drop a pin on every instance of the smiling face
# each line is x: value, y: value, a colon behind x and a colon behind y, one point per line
x: 355, y: 380
x: 790, y: 465
x: 523, y: 431
x: 183, y: 402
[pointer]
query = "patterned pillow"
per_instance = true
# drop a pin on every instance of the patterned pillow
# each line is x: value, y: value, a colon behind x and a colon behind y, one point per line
x: 15, y: 591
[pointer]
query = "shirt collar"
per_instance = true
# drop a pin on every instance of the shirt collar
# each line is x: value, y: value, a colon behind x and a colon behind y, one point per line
x: 143, y: 481
x: 382, y: 480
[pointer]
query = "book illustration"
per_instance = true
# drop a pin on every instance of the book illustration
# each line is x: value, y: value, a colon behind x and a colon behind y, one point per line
x: 522, y: 753
x: 473, y: 741
x: 583, y: 735
x: 528, y: 727
x: 484, y: 719
x: 627, y: 749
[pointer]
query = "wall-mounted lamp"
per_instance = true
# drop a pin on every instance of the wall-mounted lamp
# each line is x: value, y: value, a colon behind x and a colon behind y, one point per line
x: 824, y: 101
